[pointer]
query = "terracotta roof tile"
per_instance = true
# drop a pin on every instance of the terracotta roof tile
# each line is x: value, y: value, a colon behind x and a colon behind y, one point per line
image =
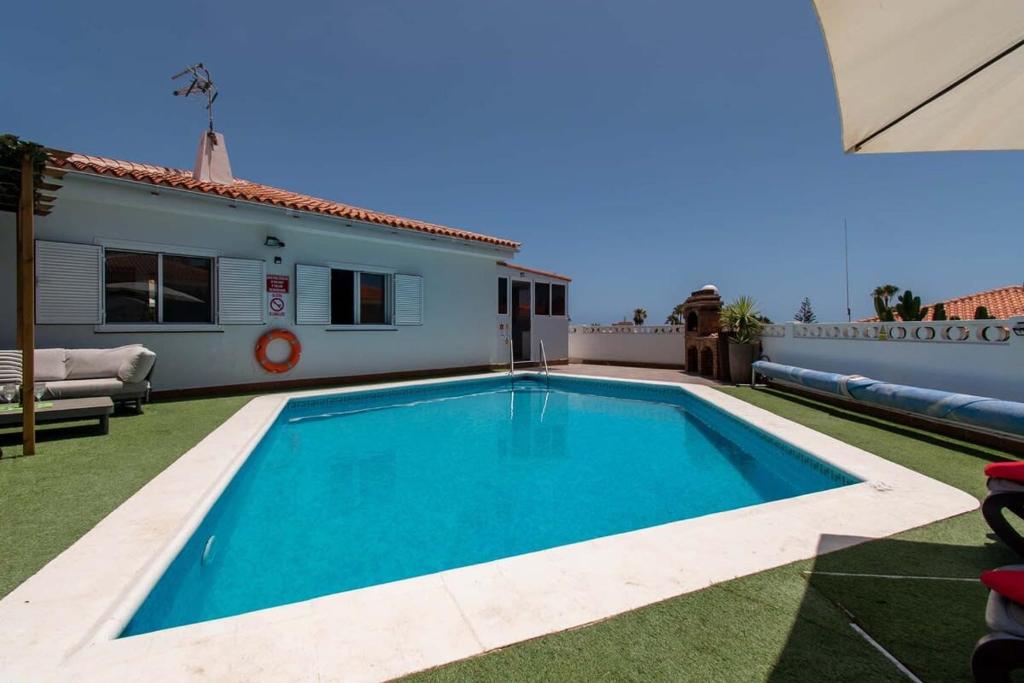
x: 245, y: 190
x: 1002, y: 302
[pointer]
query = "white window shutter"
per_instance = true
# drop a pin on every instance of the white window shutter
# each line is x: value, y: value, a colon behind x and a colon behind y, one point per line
x: 312, y: 295
x: 68, y: 280
x: 240, y: 291
x: 408, y: 300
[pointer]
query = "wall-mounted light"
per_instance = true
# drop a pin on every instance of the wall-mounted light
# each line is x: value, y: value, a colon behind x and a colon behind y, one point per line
x: 1018, y: 329
x: 272, y: 241
x: 277, y: 260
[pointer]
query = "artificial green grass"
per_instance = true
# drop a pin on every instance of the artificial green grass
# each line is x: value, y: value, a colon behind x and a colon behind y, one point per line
x: 792, y: 623
x: 786, y: 624
x: 49, y: 500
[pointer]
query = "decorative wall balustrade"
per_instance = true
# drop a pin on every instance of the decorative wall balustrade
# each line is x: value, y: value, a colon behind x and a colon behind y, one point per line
x: 641, y: 344
x: 983, y: 357
x: 627, y: 329
x: 946, y: 331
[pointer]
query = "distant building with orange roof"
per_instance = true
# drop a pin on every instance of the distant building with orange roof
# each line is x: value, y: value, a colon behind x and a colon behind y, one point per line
x: 1002, y: 303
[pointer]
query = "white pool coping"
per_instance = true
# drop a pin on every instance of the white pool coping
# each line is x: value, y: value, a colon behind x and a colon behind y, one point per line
x: 61, y: 623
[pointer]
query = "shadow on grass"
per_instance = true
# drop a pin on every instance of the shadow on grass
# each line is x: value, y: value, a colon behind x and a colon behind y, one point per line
x: 59, y: 431
x: 929, y: 625
x: 949, y: 442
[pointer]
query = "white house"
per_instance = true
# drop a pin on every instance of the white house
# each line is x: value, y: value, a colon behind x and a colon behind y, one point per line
x: 198, y: 266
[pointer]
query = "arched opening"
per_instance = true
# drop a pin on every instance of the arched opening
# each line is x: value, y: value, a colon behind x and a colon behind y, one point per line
x: 691, y: 321
x: 707, y: 362
x: 691, y: 359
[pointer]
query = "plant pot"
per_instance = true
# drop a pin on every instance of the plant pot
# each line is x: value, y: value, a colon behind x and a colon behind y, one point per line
x: 741, y: 360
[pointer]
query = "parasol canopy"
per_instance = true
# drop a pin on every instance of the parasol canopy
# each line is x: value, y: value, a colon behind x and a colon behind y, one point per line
x: 927, y: 75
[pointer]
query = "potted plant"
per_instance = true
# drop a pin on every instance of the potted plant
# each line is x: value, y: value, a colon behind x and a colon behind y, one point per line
x: 742, y: 319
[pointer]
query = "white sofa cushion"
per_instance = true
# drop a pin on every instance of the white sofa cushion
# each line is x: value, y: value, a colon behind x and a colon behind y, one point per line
x: 136, y: 365
x: 98, y: 363
x: 88, y: 388
x: 10, y: 367
x: 51, y: 365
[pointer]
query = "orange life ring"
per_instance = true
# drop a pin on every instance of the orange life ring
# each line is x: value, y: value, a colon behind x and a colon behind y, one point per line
x: 286, y: 365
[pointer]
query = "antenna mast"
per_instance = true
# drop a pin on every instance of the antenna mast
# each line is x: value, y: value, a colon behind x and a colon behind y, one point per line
x: 202, y: 82
x: 846, y: 263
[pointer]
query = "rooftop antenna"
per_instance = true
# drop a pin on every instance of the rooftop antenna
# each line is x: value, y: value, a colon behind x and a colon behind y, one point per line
x: 201, y: 83
x: 846, y: 263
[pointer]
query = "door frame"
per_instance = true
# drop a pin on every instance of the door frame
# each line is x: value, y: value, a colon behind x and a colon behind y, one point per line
x: 525, y: 350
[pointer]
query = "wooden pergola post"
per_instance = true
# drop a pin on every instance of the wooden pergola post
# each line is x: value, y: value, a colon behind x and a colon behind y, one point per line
x: 26, y: 293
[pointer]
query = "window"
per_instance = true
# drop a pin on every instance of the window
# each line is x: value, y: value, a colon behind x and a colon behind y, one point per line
x: 343, y: 298
x: 145, y: 287
x: 502, y: 296
x: 373, y: 299
x: 557, y: 299
x: 360, y: 298
x: 187, y: 285
x: 542, y: 298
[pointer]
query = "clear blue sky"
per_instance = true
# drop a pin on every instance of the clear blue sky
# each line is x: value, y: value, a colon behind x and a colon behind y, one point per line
x: 644, y: 148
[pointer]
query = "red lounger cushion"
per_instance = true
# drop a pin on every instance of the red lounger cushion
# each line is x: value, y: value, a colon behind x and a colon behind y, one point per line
x: 1007, y: 582
x: 1014, y: 471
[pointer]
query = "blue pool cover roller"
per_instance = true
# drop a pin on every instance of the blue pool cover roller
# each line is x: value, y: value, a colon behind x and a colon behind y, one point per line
x: 977, y: 411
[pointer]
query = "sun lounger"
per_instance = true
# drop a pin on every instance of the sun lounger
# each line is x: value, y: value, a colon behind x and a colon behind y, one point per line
x: 1001, y: 652
x: 1006, y: 494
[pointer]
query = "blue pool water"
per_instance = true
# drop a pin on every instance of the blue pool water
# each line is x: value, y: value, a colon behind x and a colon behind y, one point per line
x: 353, y: 490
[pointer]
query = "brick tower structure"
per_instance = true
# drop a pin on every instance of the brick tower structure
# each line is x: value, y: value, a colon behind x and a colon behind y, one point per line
x: 701, y: 312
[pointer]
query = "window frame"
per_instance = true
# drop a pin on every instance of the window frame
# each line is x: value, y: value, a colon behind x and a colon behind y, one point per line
x: 159, y: 250
x: 357, y: 269
x: 565, y: 300
x: 503, y: 294
x: 536, y: 298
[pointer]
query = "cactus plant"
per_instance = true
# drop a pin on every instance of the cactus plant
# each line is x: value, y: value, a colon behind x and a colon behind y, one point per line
x: 909, y: 307
x: 981, y: 313
x: 883, y: 310
x: 940, y: 311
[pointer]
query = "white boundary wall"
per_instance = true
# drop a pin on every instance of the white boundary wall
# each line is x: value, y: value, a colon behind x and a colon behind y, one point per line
x: 656, y: 344
x: 983, y: 357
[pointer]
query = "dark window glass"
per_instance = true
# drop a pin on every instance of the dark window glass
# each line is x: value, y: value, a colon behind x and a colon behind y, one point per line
x: 557, y: 299
x: 542, y: 298
x: 131, y: 287
x: 372, y: 306
x: 188, y: 288
x: 343, y: 297
x: 502, y: 296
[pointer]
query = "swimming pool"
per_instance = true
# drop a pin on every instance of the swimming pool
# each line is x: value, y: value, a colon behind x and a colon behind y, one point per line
x: 357, y: 489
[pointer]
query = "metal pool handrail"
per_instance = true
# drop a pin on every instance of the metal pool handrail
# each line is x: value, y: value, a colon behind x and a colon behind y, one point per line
x: 511, y: 357
x: 544, y: 357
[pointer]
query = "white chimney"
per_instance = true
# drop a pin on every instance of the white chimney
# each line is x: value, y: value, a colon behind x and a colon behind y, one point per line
x: 212, y: 163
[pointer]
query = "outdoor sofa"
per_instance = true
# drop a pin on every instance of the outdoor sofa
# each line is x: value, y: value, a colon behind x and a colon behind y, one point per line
x: 122, y: 373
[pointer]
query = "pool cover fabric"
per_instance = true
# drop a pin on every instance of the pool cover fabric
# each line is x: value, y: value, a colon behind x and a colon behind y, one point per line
x: 976, y: 411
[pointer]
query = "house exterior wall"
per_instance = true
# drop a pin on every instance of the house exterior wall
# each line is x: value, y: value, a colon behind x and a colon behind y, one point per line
x: 981, y: 357
x: 553, y: 330
x: 458, y: 284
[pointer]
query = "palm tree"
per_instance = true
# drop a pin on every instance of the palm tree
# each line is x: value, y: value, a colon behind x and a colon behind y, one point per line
x: 676, y: 316
x: 883, y: 294
x: 886, y: 293
x: 742, y: 318
x: 639, y: 316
